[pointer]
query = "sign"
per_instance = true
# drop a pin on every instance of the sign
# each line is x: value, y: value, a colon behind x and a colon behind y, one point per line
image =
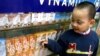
x: 14, y: 6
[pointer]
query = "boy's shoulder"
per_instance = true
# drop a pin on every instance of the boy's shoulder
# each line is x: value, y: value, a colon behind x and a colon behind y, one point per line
x: 93, y: 33
x: 70, y: 31
x: 67, y: 33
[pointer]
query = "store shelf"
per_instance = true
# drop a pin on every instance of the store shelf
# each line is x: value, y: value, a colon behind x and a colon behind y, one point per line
x: 32, y: 29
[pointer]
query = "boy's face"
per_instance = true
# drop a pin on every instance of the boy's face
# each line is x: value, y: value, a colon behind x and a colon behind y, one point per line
x: 80, y: 20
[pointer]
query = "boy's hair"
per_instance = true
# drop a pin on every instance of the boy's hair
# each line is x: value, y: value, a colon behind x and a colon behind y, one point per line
x: 88, y: 5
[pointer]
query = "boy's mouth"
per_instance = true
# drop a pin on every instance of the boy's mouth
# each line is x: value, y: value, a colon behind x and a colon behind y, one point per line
x: 76, y: 30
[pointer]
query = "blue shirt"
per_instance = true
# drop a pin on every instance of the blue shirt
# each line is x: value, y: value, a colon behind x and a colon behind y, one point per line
x: 71, y: 43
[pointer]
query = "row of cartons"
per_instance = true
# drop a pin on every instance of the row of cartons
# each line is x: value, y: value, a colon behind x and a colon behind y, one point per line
x: 14, y: 20
x: 29, y: 45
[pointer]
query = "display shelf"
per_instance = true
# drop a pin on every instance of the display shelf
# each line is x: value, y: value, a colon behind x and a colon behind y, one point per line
x: 33, y: 29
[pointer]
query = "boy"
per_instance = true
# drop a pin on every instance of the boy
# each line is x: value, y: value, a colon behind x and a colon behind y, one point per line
x: 81, y: 40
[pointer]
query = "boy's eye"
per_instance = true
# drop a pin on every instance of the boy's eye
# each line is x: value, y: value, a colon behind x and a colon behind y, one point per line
x: 73, y: 20
x: 80, y: 22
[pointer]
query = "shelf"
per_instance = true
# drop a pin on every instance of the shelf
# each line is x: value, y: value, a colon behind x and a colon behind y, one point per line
x: 31, y: 29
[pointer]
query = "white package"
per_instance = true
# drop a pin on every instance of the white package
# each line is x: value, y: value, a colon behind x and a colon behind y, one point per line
x: 25, y: 19
x: 2, y: 47
x: 35, y: 18
x: 50, y: 17
x: 43, y: 18
x: 14, y: 20
x: 3, y: 20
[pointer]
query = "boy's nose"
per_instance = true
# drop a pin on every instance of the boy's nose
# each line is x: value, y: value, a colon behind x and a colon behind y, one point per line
x: 74, y: 24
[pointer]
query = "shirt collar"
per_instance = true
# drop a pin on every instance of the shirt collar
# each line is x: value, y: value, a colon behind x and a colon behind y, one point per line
x: 86, y: 32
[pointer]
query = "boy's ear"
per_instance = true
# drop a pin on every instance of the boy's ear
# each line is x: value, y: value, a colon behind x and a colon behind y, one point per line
x: 92, y: 22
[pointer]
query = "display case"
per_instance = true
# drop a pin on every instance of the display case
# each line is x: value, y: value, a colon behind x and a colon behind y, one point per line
x: 23, y: 23
x: 21, y: 33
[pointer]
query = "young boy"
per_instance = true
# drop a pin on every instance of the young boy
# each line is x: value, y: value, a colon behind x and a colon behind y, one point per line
x: 81, y: 40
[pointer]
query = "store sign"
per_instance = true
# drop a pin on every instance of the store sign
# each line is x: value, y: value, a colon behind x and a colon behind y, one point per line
x: 61, y: 5
x: 7, y: 6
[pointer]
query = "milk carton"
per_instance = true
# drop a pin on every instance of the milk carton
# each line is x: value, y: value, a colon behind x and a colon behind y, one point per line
x: 2, y: 47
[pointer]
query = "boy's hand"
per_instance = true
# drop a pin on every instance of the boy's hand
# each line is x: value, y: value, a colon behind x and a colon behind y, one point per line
x: 43, y: 42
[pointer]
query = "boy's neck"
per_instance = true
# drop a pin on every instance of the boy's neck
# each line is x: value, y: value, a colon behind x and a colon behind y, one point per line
x: 86, y: 32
